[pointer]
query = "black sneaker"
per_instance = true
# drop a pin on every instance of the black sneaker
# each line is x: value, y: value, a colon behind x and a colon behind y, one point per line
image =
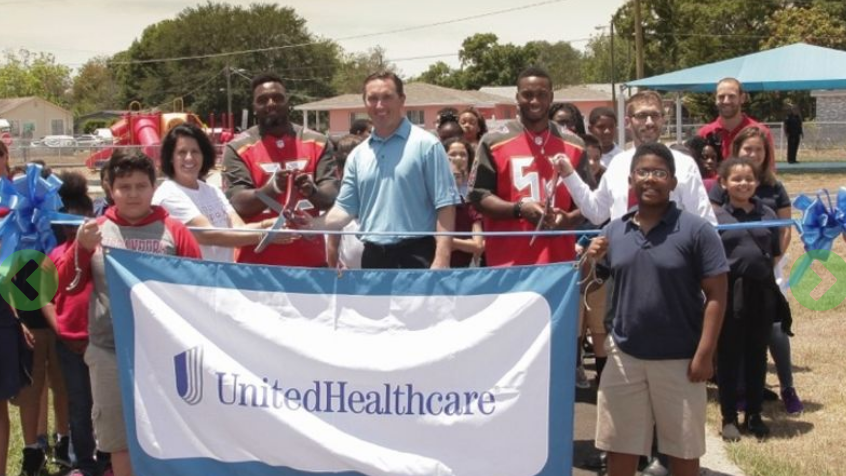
x: 755, y: 425
x: 61, y: 452
x: 655, y: 468
x: 34, y: 461
x: 104, y: 464
x: 769, y: 395
x: 598, y: 461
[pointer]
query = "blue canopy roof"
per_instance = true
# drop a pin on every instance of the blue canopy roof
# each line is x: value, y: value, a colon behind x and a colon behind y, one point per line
x: 789, y: 68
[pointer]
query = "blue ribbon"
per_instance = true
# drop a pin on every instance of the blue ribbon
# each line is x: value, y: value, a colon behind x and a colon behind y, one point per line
x: 818, y: 227
x: 33, y: 202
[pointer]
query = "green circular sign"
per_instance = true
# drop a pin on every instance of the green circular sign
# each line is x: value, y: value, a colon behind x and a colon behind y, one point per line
x: 802, y: 288
x: 30, y: 280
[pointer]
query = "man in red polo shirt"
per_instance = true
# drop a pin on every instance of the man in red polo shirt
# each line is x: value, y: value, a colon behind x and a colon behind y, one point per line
x: 730, y: 98
x: 260, y: 160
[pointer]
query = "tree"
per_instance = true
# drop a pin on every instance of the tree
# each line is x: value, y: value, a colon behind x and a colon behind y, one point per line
x: 276, y: 36
x: 596, y: 62
x: 685, y: 33
x: 26, y: 73
x: 94, y: 87
x: 441, y: 74
x: 813, y: 25
x: 354, y: 68
x: 560, y: 60
x: 487, y: 63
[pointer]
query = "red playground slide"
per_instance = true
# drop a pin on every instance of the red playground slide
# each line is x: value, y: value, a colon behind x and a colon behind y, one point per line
x: 132, y: 130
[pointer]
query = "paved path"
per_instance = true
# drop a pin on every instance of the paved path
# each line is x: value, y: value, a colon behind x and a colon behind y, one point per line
x: 811, y: 167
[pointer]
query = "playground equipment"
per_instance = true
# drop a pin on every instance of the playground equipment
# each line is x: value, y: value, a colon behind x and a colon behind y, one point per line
x: 146, y: 129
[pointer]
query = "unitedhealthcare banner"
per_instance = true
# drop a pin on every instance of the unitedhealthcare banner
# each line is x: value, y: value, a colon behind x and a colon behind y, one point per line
x: 240, y: 369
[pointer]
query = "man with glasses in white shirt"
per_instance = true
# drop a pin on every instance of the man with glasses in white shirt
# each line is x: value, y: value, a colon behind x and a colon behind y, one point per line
x: 612, y: 199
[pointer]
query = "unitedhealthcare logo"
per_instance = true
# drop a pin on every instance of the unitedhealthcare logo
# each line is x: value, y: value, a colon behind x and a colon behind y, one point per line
x: 188, y: 367
x: 324, y: 396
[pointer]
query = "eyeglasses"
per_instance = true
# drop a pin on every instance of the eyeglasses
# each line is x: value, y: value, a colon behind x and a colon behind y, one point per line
x: 642, y: 116
x: 643, y: 174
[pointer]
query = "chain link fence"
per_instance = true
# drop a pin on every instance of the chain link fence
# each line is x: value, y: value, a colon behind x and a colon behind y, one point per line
x: 824, y: 140
x: 75, y: 156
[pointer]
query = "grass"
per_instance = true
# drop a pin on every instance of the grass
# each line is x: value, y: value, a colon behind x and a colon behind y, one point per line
x: 813, y: 155
x: 13, y: 465
x: 812, y: 443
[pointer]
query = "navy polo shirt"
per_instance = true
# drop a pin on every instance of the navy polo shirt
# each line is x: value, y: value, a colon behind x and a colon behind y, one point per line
x: 657, y: 295
x: 750, y: 251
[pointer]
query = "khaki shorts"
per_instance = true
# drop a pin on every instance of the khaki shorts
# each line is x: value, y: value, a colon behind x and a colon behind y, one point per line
x: 593, y: 319
x: 107, y: 413
x: 636, y: 394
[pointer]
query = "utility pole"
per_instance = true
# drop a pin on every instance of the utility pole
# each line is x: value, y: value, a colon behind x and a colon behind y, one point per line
x: 613, y: 75
x: 228, y: 71
x: 638, y: 40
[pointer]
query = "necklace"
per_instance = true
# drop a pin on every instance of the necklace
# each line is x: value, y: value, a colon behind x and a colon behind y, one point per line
x: 539, y: 140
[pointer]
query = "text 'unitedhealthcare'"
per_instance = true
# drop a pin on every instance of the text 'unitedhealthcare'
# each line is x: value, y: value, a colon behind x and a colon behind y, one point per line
x: 326, y: 396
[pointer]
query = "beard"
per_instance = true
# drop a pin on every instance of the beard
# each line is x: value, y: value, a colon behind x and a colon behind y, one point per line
x: 729, y: 112
x: 272, y: 122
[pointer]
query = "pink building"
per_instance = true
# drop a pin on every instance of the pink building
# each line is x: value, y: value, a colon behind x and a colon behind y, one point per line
x: 422, y: 103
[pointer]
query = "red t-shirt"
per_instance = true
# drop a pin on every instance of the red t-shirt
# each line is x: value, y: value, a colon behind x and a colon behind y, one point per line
x: 249, y: 162
x: 727, y: 136
x: 465, y: 217
x: 511, y: 166
x: 71, y: 309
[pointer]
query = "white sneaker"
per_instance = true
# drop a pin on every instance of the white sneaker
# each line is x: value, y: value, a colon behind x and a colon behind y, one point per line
x: 581, y: 378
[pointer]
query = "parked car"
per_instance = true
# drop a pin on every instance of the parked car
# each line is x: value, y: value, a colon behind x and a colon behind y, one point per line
x: 105, y: 136
x: 58, y: 141
x: 88, y: 140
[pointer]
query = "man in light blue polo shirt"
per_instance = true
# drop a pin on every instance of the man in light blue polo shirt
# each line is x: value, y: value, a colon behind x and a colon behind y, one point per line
x: 398, y: 180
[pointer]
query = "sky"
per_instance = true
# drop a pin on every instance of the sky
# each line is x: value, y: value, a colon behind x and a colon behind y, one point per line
x: 77, y: 30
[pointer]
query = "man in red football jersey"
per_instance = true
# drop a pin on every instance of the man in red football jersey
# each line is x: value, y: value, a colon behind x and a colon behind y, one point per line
x: 262, y: 158
x: 515, y: 186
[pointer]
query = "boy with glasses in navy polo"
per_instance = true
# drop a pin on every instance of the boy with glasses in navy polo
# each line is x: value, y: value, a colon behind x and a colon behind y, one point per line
x: 664, y: 331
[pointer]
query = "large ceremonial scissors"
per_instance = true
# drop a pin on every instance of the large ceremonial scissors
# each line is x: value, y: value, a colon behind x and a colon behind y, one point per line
x: 549, y: 202
x: 285, y: 211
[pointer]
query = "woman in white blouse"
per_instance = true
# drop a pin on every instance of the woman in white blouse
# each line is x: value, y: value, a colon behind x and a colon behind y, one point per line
x: 187, y: 155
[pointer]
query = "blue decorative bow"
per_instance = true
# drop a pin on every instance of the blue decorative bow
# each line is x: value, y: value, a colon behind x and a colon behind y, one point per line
x: 840, y: 211
x: 818, y: 227
x: 32, y: 202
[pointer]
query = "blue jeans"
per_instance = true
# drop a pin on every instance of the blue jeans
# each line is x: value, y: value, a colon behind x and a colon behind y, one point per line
x: 80, y: 402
